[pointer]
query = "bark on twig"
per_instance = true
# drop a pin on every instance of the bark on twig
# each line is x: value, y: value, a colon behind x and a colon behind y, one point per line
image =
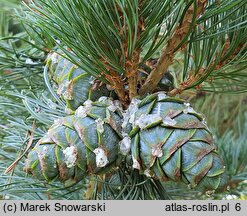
x: 132, y: 73
x: 117, y: 85
x: 168, y: 53
x: 132, y: 64
x: 213, y: 66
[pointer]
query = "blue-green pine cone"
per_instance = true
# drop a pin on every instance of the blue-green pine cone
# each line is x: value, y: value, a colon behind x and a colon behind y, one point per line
x: 73, y: 84
x: 171, y: 141
x: 78, y: 145
x: 165, y: 138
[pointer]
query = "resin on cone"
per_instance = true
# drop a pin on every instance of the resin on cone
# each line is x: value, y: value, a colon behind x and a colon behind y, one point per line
x: 171, y: 141
x: 73, y: 84
x: 78, y: 145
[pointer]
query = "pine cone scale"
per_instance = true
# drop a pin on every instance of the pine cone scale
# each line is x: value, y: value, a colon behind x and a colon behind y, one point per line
x: 193, y: 152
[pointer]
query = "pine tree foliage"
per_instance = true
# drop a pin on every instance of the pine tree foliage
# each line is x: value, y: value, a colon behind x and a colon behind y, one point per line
x: 212, y: 35
x: 187, y: 48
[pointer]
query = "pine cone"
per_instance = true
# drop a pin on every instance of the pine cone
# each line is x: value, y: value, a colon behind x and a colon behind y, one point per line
x: 74, y: 85
x: 165, y: 137
x: 170, y: 141
x: 78, y: 145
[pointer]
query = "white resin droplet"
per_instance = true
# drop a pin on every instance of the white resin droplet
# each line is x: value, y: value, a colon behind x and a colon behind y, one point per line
x: 88, y: 103
x: 161, y: 96
x: 187, y: 104
x: 185, y: 111
x: 147, y: 173
x: 112, y: 105
x: 58, y: 41
x: 103, y: 99
x: 70, y: 156
x: 6, y: 197
x: 136, y: 164
x: 125, y: 145
x: 91, y: 80
x: 132, y: 118
x: 81, y: 112
x: 210, y: 192
x: 129, y: 114
x: 189, y: 110
x: 169, y: 121
x: 42, y: 153
x: 146, y: 119
x: 67, y: 95
x: 157, y: 151
x: 68, y: 111
x: 204, y: 122
x: 230, y: 196
x: 101, y: 158
x: 100, y: 125
x: 62, y: 89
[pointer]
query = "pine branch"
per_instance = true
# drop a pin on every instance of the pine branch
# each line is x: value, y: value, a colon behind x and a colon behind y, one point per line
x: 215, y: 58
x: 173, y: 44
x: 111, y: 35
x: 216, y: 64
x: 117, y: 85
x: 31, y: 135
x: 132, y: 65
x: 131, y: 53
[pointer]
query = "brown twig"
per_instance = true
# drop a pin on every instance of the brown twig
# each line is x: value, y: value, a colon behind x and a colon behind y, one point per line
x: 131, y: 63
x: 117, y: 85
x: 132, y: 72
x: 213, y: 66
x: 169, y: 51
x: 116, y: 81
x: 132, y: 75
